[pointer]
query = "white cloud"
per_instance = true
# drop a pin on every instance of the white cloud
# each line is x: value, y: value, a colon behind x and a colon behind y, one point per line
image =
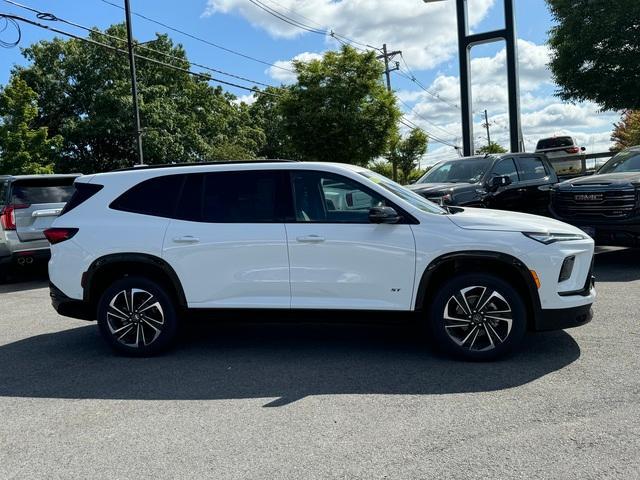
x: 285, y: 73
x: 426, y: 33
x: 249, y: 99
x: 543, y: 114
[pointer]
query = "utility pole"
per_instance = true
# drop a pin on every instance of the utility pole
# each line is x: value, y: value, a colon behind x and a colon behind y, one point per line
x: 134, y: 83
x: 386, y: 56
x: 486, y: 125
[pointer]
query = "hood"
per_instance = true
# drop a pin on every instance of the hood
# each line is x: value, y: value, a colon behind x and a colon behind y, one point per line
x: 437, y: 188
x: 606, y: 180
x: 503, y: 221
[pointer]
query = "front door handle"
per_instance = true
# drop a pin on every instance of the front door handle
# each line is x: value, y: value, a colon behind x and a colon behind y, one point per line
x: 311, y: 239
x: 186, y: 239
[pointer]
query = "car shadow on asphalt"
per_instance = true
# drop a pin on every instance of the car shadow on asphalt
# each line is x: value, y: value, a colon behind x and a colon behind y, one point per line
x: 617, y: 265
x: 280, y: 363
x: 19, y: 279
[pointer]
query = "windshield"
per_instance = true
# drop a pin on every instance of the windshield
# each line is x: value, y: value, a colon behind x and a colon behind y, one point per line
x: 405, y: 194
x: 628, y: 161
x: 458, y: 171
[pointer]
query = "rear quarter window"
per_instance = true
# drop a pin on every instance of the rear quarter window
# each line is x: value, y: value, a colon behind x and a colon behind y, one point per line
x: 157, y: 197
x: 32, y: 192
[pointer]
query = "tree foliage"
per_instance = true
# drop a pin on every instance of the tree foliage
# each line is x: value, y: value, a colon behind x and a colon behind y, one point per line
x: 84, y: 95
x: 339, y: 110
x: 492, y: 147
x: 626, y: 133
x: 405, y: 152
x: 24, y: 147
x: 267, y: 114
x: 596, y: 51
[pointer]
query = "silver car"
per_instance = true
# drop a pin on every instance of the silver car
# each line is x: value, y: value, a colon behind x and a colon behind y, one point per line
x: 563, y: 153
x: 28, y: 206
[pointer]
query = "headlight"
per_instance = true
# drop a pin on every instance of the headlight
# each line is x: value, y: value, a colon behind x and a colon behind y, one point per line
x: 548, y: 238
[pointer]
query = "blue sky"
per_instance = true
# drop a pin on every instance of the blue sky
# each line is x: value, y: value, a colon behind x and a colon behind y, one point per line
x: 425, y: 33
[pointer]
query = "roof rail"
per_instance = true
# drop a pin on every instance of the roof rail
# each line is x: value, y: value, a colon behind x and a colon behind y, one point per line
x: 199, y: 164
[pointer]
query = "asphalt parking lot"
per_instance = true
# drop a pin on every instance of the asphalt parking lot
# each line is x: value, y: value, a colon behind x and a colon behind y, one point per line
x: 320, y: 401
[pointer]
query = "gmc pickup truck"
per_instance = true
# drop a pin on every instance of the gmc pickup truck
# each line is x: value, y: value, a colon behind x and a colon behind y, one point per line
x: 605, y: 205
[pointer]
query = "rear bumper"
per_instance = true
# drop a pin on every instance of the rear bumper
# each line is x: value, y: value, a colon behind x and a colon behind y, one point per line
x: 70, y: 307
x: 19, y: 258
x: 547, y: 320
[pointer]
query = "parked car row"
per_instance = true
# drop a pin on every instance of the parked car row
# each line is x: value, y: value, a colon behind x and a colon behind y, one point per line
x: 605, y: 205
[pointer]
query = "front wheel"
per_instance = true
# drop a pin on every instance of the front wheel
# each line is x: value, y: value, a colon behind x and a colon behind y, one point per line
x: 478, y: 317
x: 137, y: 317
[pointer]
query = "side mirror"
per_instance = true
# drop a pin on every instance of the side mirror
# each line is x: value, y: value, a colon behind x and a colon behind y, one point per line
x: 583, y: 149
x: 383, y: 215
x: 498, y: 182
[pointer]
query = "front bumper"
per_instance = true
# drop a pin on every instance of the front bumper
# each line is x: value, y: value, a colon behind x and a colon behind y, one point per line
x: 560, y: 319
x: 69, y: 307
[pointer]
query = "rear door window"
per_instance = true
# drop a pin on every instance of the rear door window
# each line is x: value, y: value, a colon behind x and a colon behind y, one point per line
x: 34, y: 192
x: 247, y: 197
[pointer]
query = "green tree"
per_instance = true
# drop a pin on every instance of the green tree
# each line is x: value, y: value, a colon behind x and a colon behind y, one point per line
x: 596, y: 51
x: 268, y: 116
x: 626, y: 133
x: 492, y: 147
x: 84, y: 94
x: 339, y: 110
x: 382, y: 167
x: 404, y: 153
x: 24, y: 147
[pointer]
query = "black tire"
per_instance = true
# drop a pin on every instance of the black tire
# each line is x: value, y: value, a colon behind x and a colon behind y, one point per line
x: 146, y: 329
x: 480, y: 334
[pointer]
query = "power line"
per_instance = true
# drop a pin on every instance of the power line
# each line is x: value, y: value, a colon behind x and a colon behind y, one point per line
x: 200, y: 39
x: 411, y: 76
x: 203, y: 76
x: 309, y: 28
x: 51, y: 17
x: 412, y: 110
x: 410, y: 124
x: 12, y: 22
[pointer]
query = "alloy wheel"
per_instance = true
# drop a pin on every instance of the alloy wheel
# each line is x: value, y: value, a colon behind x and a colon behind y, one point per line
x: 478, y: 318
x: 135, y: 317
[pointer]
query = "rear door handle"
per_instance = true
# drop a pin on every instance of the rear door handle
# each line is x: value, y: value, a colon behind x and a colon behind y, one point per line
x: 186, y: 239
x: 311, y: 239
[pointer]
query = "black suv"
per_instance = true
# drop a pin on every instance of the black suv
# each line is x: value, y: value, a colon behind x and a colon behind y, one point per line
x: 518, y: 182
x: 605, y: 205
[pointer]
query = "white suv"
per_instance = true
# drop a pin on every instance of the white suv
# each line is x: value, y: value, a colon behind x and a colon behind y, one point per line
x: 139, y: 249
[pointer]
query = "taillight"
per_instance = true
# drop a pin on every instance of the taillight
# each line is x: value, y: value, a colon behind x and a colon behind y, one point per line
x: 57, y: 235
x: 573, y: 150
x: 8, y: 215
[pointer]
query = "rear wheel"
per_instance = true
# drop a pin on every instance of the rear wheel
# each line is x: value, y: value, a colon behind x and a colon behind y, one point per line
x: 478, y: 317
x: 137, y: 317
